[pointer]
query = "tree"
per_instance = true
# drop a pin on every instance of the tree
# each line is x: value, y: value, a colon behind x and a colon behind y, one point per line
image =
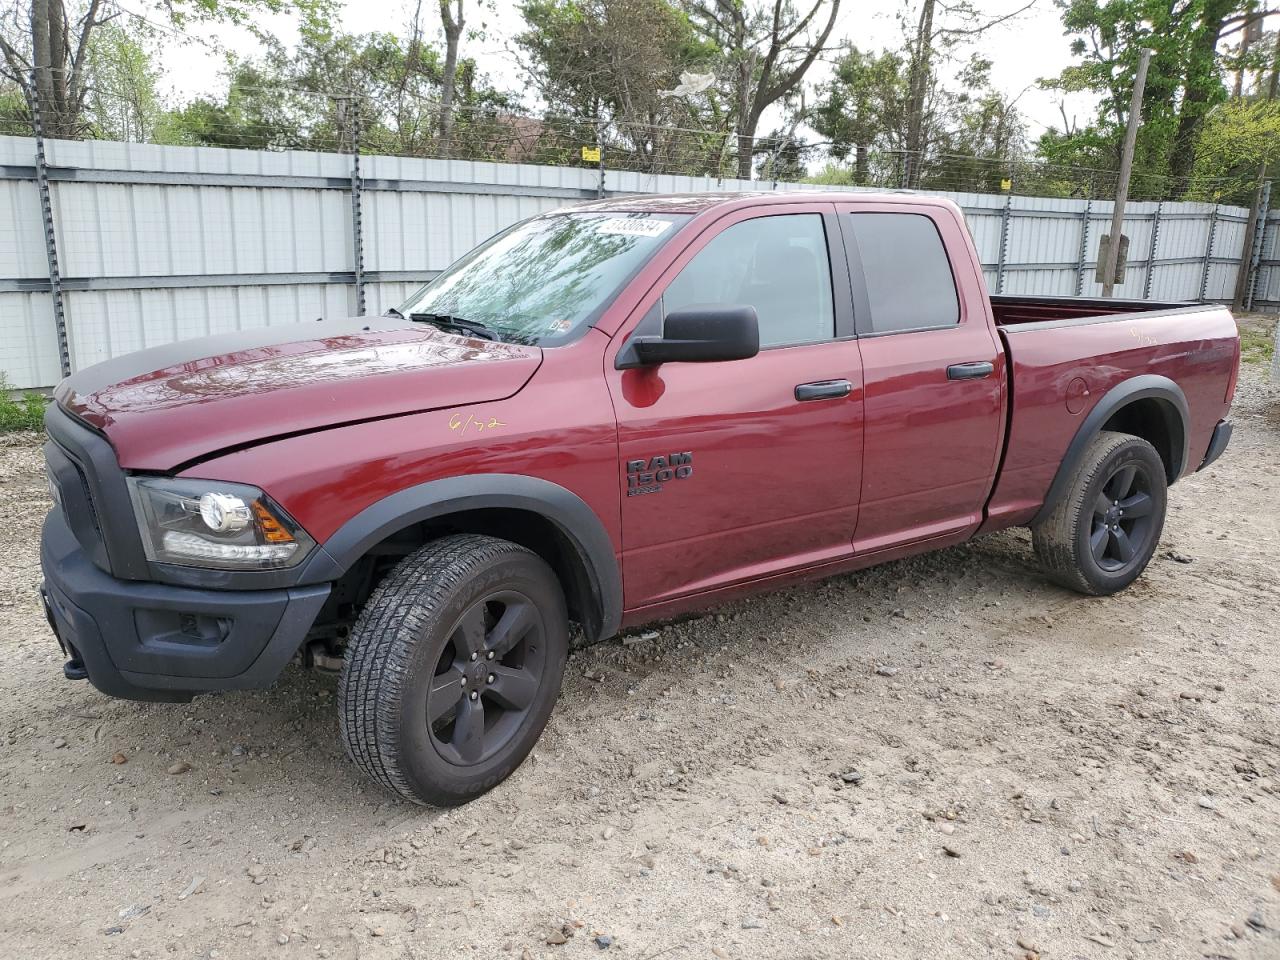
x: 123, y: 101
x: 453, y: 23
x: 1202, y: 85
x: 1185, y: 85
x: 861, y: 109
x: 970, y: 135
x: 337, y: 85
x: 55, y: 41
x: 614, y: 62
x: 931, y: 37
x: 1238, y: 138
x: 768, y: 48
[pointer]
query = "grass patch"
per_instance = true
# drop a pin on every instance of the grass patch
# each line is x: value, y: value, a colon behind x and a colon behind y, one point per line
x: 24, y: 413
x: 1257, y: 339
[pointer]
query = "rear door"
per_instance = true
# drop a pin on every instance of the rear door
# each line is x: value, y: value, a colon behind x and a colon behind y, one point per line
x: 933, y: 372
x: 729, y: 472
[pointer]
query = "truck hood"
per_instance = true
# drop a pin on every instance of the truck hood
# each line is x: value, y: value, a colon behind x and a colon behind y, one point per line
x: 171, y: 405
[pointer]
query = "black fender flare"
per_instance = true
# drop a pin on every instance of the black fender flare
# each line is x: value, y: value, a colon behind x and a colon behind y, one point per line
x: 576, y: 521
x: 1177, y: 417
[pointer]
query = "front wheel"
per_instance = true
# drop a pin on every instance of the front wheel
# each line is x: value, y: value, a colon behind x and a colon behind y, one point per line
x: 1101, y: 535
x: 453, y: 668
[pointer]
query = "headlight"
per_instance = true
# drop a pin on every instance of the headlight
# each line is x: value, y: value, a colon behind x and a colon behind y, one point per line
x: 208, y: 523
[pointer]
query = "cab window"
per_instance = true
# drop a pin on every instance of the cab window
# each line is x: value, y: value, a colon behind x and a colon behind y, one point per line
x: 778, y: 265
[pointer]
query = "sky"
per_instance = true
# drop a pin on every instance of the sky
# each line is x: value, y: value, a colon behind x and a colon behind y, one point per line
x: 1022, y: 50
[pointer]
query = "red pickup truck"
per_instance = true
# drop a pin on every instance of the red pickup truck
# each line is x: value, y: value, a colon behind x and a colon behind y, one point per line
x: 604, y: 415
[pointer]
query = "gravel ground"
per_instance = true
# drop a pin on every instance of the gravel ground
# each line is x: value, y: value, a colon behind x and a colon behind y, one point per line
x: 942, y: 757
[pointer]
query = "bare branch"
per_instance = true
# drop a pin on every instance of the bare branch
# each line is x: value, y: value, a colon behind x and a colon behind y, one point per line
x: 982, y: 28
x: 787, y: 83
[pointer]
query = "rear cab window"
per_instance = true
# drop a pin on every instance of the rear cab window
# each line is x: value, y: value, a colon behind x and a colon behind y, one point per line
x: 901, y: 263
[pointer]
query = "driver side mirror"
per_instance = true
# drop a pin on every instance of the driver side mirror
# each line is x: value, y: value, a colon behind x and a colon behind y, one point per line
x: 698, y: 335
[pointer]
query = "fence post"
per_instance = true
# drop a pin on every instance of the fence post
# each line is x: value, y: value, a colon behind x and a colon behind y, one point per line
x: 1084, y: 246
x: 50, y: 238
x: 600, y: 159
x: 357, y: 208
x: 1208, y: 252
x: 1255, y: 253
x: 1004, y: 242
x: 1151, y: 256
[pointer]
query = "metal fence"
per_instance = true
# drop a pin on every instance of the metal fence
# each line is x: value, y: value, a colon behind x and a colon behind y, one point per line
x: 110, y: 247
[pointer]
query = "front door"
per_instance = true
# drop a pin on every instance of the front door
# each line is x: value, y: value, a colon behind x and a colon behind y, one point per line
x: 934, y: 375
x: 729, y: 472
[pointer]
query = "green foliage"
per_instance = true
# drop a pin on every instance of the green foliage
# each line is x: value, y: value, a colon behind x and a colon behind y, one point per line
x: 612, y: 60
x: 123, y: 101
x: 1184, y: 86
x: 24, y: 413
x: 971, y: 135
x: 15, y: 114
x: 317, y: 97
x: 1237, y: 139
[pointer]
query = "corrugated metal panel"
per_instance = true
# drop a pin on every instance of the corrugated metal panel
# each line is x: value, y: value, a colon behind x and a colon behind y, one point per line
x: 28, y: 345
x: 111, y: 322
x: 193, y: 230
x: 1267, y: 290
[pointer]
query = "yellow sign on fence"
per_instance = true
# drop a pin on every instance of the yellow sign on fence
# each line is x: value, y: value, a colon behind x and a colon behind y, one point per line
x: 1006, y: 184
x: 591, y: 154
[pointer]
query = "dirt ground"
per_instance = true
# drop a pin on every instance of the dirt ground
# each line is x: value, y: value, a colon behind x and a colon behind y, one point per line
x: 942, y: 757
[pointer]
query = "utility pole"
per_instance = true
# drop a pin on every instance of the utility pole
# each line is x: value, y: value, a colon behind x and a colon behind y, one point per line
x: 1126, y: 167
x: 1253, y: 231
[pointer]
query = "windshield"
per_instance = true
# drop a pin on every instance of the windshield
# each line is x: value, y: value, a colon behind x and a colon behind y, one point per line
x: 544, y: 280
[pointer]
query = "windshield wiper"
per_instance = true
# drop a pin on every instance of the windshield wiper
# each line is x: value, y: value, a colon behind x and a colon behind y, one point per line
x: 393, y: 312
x: 457, y: 325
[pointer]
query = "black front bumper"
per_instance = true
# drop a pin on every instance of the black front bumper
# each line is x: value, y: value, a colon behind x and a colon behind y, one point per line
x: 142, y: 640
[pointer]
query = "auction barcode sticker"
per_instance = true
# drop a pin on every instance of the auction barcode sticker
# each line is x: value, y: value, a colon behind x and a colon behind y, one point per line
x: 632, y: 227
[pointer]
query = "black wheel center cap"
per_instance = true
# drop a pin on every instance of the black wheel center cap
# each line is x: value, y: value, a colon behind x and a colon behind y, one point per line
x: 478, y: 673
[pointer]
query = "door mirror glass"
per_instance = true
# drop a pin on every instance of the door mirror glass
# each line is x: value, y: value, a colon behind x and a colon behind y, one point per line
x: 701, y: 335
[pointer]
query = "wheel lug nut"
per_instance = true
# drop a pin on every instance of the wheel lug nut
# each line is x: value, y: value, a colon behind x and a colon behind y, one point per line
x: 474, y: 656
x: 489, y: 655
x: 474, y: 695
x: 491, y: 678
x: 464, y: 681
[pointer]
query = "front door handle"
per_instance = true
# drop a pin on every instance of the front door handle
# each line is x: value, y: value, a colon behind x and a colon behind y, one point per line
x: 823, y: 390
x: 970, y: 371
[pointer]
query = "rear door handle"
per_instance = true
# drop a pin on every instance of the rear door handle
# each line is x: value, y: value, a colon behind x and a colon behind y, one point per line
x: 823, y: 390
x: 970, y: 371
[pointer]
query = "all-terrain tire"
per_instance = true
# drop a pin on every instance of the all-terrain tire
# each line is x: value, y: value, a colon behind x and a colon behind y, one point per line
x: 1065, y: 540
x: 411, y: 638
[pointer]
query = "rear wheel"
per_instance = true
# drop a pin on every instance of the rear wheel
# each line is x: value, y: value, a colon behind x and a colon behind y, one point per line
x: 453, y: 668
x: 1101, y: 535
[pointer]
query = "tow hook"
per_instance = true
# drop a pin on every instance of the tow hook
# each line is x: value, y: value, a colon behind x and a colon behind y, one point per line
x: 73, y: 669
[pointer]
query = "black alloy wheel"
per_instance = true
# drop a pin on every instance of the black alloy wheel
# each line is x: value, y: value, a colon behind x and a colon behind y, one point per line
x: 453, y: 668
x: 1122, y: 523
x: 1103, y: 530
x: 487, y: 678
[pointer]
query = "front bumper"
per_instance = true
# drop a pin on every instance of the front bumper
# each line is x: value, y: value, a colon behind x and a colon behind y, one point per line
x: 1217, y: 443
x: 142, y: 640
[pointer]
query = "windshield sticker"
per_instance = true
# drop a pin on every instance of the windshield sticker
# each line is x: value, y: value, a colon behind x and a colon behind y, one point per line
x: 633, y: 228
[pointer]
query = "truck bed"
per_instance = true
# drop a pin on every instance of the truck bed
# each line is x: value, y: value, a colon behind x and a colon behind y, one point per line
x: 1065, y: 354
x: 1012, y: 310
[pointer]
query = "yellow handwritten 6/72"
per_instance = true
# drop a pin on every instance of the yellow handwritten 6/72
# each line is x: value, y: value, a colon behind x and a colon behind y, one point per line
x: 463, y: 423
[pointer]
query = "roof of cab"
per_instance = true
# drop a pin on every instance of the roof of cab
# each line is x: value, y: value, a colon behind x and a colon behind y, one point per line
x: 701, y: 202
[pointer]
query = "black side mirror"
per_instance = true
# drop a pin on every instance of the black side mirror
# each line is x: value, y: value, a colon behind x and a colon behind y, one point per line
x: 700, y: 335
